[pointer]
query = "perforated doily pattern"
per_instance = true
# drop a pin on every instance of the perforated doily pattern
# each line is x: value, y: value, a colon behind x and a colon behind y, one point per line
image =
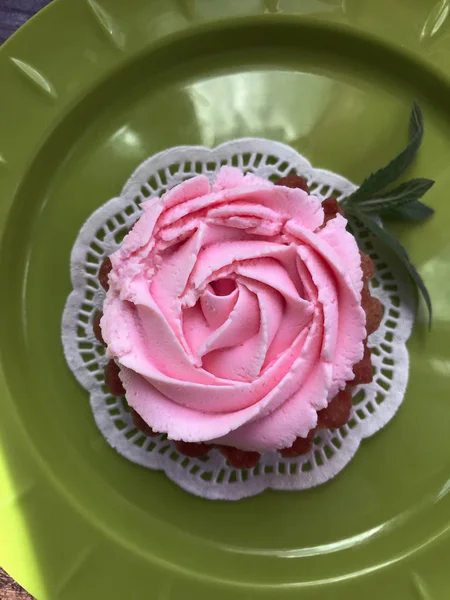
x: 211, y: 476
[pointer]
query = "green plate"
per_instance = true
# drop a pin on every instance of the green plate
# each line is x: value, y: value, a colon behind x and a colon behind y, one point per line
x: 89, y: 88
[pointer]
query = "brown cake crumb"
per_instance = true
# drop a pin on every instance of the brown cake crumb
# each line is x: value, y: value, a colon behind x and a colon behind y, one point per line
x: 112, y: 379
x: 240, y: 459
x: 363, y: 370
x: 337, y: 413
x: 141, y: 424
x: 300, y: 446
x: 103, y: 273
x: 294, y: 181
x: 97, y: 329
x: 374, y: 311
x: 331, y: 209
x: 192, y: 449
x: 367, y: 266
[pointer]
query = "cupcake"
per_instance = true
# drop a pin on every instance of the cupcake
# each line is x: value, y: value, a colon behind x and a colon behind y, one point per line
x: 236, y: 317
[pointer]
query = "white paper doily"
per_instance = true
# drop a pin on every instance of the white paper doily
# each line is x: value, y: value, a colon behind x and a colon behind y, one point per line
x: 211, y: 476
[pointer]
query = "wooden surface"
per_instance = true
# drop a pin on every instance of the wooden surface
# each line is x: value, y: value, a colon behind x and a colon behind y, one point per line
x: 13, y: 13
x: 10, y: 590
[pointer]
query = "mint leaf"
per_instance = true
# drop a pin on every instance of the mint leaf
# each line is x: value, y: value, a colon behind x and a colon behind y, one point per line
x: 386, y: 175
x: 386, y: 238
x: 403, y: 194
x: 401, y: 202
x: 413, y: 211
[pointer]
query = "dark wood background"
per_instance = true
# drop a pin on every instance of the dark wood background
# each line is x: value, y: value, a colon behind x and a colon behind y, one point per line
x: 10, y: 590
x: 13, y: 14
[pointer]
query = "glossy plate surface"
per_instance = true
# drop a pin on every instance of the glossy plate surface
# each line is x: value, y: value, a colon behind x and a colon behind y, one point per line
x: 89, y: 89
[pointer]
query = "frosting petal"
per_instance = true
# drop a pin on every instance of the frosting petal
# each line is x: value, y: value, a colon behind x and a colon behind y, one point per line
x: 233, y: 312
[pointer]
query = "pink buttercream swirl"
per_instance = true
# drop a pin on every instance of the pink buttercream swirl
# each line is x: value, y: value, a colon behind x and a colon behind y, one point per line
x: 233, y: 312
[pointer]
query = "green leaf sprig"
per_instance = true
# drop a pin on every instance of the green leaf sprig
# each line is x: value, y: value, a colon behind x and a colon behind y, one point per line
x: 371, y: 200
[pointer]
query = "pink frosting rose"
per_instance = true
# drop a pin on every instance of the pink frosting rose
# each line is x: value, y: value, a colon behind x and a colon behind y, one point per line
x: 233, y: 312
